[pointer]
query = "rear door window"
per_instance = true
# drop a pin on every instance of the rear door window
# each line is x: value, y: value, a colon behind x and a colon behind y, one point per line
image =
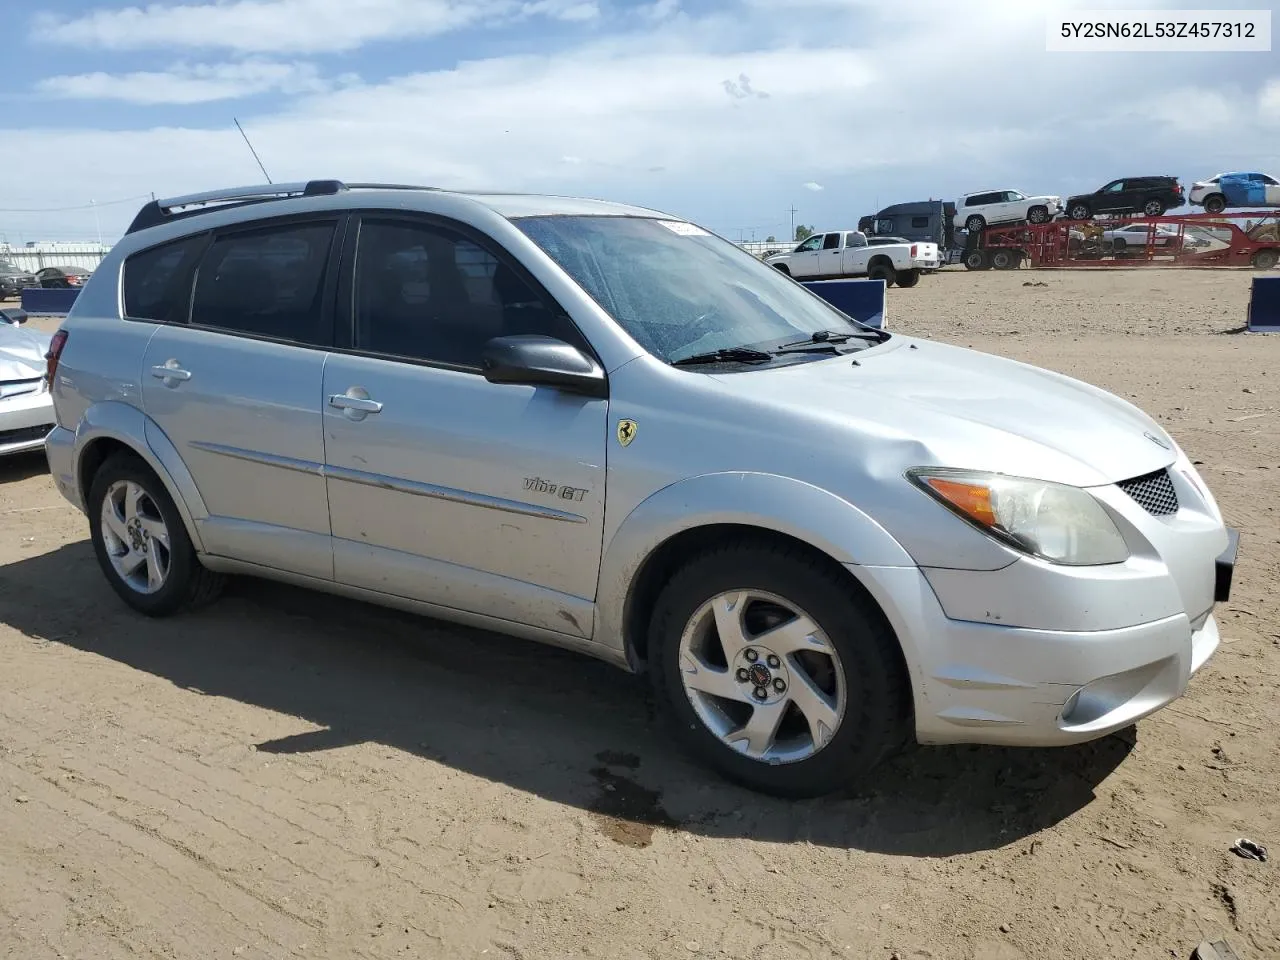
x: 267, y: 282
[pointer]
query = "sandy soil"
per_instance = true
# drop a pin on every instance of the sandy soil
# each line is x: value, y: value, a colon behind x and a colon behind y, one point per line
x: 286, y: 775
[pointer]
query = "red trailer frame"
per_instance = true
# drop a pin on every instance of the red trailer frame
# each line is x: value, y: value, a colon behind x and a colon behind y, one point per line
x: 1052, y: 246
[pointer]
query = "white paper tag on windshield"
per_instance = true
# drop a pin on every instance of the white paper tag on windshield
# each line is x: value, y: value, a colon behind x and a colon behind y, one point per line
x: 684, y: 229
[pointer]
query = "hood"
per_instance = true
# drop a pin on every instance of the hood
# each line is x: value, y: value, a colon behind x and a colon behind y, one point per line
x: 940, y: 405
x: 22, y: 352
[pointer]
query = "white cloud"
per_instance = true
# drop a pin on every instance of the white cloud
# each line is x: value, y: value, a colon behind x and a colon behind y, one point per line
x: 292, y: 26
x: 813, y: 186
x: 187, y: 83
x: 674, y: 118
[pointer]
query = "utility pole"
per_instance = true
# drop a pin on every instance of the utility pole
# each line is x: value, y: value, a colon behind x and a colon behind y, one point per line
x: 793, y: 223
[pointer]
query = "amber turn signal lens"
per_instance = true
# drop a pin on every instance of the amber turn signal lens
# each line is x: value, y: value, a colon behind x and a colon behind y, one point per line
x: 971, y: 499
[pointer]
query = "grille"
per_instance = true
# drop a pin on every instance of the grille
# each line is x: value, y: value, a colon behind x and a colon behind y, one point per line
x: 1153, y: 492
x: 24, y: 434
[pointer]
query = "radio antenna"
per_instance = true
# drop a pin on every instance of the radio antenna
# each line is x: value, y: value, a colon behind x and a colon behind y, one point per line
x: 251, y: 150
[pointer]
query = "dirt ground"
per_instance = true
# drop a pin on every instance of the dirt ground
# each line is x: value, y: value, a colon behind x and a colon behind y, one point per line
x: 288, y: 775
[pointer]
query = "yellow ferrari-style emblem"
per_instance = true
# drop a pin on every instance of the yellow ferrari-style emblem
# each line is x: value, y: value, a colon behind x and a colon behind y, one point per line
x: 626, y: 431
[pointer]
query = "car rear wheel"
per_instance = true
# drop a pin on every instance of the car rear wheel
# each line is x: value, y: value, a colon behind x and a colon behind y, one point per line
x: 975, y: 223
x: 908, y: 278
x: 882, y: 271
x: 1038, y: 215
x: 1266, y: 259
x: 141, y: 542
x: 1153, y: 208
x: 775, y: 672
x: 1215, y: 203
x: 1005, y: 259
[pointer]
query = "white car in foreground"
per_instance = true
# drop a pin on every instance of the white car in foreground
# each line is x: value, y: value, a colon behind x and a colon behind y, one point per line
x: 995, y: 207
x: 26, y: 406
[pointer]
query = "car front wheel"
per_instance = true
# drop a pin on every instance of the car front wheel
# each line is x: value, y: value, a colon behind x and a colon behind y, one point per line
x: 141, y: 543
x: 1038, y: 215
x: 776, y: 672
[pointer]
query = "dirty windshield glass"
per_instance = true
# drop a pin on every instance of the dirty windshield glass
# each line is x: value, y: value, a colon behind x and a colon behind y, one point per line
x: 678, y: 290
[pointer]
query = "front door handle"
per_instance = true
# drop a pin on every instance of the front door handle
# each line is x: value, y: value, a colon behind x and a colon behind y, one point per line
x: 170, y: 371
x: 355, y: 404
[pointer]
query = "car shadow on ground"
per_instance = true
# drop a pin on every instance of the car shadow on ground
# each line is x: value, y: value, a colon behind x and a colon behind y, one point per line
x: 23, y: 466
x: 556, y: 724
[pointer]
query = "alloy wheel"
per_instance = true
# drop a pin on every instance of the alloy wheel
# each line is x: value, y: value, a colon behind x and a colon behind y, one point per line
x: 135, y: 536
x: 762, y: 676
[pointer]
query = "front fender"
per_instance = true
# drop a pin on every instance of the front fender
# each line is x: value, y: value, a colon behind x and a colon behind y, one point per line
x: 126, y: 424
x: 767, y: 501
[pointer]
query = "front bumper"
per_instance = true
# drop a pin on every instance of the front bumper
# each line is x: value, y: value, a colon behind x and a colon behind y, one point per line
x: 25, y: 420
x: 983, y: 682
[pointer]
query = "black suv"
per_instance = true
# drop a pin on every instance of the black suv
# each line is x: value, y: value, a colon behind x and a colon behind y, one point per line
x: 13, y: 279
x: 1151, y: 196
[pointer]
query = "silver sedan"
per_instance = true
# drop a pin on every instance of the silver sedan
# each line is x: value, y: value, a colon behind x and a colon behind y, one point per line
x: 26, y: 406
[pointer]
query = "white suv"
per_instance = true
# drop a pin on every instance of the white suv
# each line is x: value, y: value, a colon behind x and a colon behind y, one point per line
x: 989, y: 207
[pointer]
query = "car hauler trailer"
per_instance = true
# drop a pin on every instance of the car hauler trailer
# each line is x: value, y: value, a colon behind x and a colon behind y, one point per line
x: 1190, y: 240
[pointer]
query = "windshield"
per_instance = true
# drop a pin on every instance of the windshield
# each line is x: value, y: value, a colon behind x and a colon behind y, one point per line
x: 678, y: 290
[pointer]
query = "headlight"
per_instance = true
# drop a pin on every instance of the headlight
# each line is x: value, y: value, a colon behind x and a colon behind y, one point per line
x: 1052, y: 521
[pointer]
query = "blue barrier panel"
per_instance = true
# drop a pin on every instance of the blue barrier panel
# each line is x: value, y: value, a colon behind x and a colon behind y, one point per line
x: 51, y: 302
x: 864, y: 300
x: 1264, y: 305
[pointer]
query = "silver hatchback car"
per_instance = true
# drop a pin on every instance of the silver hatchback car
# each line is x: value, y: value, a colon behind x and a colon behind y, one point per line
x: 605, y: 428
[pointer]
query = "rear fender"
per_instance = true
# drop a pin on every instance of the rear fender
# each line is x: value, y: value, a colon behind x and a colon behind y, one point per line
x: 126, y: 424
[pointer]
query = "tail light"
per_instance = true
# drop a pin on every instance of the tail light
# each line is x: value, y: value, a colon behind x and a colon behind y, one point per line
x: 913, y: 250
x: 55, y: 353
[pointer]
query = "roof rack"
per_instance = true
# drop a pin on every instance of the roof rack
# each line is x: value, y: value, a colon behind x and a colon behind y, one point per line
x: 192, y: 204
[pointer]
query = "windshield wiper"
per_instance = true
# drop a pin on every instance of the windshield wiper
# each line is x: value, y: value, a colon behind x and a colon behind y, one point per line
x: 725, y: 354
x: 836, y: 336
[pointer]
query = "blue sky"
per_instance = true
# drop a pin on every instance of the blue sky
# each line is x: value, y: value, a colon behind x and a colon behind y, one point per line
x: 726, y: 112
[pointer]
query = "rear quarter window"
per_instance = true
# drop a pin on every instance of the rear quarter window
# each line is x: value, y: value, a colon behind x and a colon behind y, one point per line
x: 157, y: 281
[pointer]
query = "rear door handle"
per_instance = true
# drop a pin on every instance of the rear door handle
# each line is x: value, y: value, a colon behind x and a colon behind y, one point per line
x: 169, y: 370
x: 344, y: 402
x: 355, y: 406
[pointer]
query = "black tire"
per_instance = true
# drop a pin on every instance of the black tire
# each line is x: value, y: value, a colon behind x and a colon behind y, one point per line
x: 783, y: 267
x: 1005, y: 259
x: 882, y: 271
x: 188, y: 584
x: 1079, y: 212
x: 1153, y: 208
x: 1215, y: 203
x: 875, y: 678
x: 1120, y: 248
x: 977, y: 260
x: 1038, y: 214
x: 1266, y: 259
x: 975, y: 223
x: 908, y: 278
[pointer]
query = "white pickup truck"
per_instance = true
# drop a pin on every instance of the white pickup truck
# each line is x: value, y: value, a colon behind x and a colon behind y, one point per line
x: 845, y: 253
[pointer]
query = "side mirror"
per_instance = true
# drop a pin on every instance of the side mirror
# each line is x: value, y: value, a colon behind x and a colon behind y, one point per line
x: 535, y: 360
